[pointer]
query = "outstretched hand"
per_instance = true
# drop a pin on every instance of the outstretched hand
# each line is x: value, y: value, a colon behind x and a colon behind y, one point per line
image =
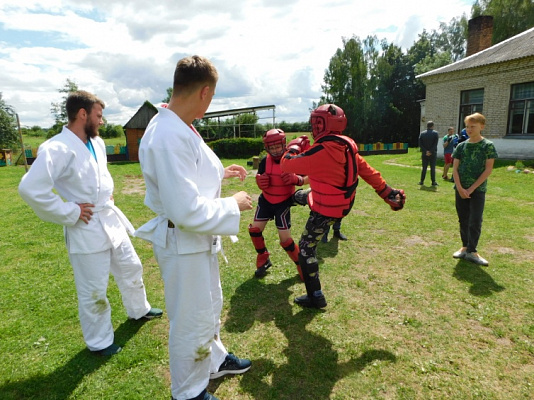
x: 235, y: 170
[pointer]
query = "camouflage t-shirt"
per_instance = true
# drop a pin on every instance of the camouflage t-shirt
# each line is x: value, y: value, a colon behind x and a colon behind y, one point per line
x: 473, y: 158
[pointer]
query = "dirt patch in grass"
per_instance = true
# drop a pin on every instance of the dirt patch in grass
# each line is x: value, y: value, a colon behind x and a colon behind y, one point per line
x: 134, y: 184
x: 520, y: 255
x: 415, y: 240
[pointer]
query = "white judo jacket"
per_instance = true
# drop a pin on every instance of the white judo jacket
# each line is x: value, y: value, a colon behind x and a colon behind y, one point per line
x: 64, y: 163
x: 183, y: 185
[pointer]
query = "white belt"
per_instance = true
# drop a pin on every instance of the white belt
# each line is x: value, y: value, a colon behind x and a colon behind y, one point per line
x: 122, y: 218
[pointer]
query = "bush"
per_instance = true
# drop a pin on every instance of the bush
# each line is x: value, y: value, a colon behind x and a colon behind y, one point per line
x: 8, y: 132
x: 237, y: 148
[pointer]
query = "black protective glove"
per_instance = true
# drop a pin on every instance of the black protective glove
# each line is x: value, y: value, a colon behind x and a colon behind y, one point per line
x: 394, y: 197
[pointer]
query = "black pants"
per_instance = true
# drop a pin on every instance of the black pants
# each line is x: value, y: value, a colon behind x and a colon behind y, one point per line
x: 470, y: 218
x: 316, y: 226
x: 428, y: 160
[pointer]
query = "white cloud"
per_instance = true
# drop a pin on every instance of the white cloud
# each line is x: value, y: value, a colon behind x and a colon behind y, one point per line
x: 266, y: 51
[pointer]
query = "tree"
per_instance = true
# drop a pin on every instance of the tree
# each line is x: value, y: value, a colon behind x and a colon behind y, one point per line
x: 440, y: 47
x: 510, y: 17
x: 59, y: 109
x: 108, y: 130
x: 169, y: 94
x: 452, y: 38
x: 374, y: 82
x: 345, y: 84
x: 8, y: 126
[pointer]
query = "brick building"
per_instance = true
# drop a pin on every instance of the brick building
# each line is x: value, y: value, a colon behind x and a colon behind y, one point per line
x: 497, y: 81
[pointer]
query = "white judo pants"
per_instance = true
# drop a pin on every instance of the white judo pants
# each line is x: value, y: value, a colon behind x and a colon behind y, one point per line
x: 193, y: 299
x: 91, y: 276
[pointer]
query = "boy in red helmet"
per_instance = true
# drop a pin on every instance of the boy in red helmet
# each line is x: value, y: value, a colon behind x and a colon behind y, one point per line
x: 333, y: 166
x: 275, y: 201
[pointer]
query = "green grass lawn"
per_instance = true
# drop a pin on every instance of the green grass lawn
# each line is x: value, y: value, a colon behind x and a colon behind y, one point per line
x: 404, y: 319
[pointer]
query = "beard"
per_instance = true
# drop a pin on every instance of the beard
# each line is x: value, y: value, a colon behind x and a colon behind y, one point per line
x: 91, y: 130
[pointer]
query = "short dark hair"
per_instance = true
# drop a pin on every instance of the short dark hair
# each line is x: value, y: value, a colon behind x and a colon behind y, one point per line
x: 81, y: 99
x: 192, y: 72
x: 430, y: 124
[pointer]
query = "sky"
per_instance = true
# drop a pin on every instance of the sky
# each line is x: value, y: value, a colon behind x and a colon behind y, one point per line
x: 266, y: 51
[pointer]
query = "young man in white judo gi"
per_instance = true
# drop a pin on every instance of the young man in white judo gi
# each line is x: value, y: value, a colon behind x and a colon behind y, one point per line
x: 183, y: 187
x: 74, y: 163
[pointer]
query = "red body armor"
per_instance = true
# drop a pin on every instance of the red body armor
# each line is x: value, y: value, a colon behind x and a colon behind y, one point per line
x: 278, y: 191
x: 335, y: 201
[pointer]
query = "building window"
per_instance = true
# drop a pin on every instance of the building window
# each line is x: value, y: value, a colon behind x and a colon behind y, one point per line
x: 521, y: 119
x: 471, y: 101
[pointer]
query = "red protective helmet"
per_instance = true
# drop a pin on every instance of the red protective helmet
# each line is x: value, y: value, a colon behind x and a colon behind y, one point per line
x: 327, y: 119
x: 273, y: 137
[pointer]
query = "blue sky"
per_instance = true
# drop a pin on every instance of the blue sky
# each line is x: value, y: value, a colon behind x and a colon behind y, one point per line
x: 266, y: 51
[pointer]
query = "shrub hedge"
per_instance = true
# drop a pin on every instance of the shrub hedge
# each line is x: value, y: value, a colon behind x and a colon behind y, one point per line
x: 237, y: 148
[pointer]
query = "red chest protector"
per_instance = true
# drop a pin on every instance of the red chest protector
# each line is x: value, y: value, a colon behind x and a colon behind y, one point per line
x: 336, y: 201
x: 277, y: 191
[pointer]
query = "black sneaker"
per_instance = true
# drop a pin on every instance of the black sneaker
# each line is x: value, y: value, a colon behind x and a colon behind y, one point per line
x: 232, y: 365
x: 339, y: 235
x: 434, y: 184
x: 204, y: 395
x: 316, y: 301
x: 108, y: 351
x: 262, y: 271
x: 151, y: 314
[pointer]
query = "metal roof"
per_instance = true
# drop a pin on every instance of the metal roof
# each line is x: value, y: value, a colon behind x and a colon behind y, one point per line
x: 236, y: 111
x: 516, y: 47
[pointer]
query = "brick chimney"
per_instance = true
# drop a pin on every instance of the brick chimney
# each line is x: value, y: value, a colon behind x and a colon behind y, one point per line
x: 479, y: 33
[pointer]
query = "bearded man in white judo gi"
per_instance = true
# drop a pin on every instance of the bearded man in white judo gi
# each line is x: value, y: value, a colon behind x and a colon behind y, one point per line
x: 74, y: 163
x: 183, y: 186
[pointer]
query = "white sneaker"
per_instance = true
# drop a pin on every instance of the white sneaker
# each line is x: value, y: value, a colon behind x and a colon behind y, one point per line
x: 459, y: 254
x: 476, y: 258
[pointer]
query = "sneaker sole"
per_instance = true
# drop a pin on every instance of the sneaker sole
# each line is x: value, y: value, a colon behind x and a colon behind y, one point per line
x: 310, y: 304
x: 102, y: 353
x: 476, y: 261
x: 148, y: 317
x: 228, y: 372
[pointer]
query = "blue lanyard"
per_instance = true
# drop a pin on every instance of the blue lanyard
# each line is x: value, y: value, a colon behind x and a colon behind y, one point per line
x: 89, y: 145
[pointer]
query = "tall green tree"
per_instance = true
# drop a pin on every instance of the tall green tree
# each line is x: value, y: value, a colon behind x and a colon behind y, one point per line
x: 452, y: 38
x: 395, y: 97
x: 345, y: 84
x: 8, y: 126
x: 59, y: 110
x: 374, y: 82
x: 510, y: 17
x: 440, y: 47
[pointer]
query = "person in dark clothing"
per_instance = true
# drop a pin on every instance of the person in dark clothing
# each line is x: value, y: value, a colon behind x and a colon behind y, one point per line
x: 428, y: 142
x: 337, y: 232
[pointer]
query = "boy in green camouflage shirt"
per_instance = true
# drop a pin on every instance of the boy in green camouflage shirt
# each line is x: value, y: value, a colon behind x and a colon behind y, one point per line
x: 472, y: 165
